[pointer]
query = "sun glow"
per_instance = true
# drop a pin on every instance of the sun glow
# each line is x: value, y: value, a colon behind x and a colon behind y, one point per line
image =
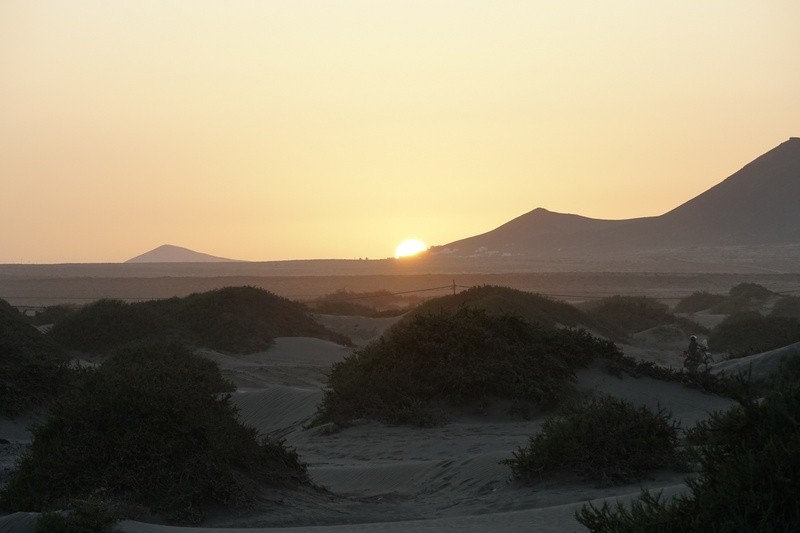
x: 409, y: 247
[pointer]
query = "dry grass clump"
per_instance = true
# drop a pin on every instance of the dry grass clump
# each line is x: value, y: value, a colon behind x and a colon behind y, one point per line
x: 456, y: 357
x: 232, y: 319
x: 154, y: 428
x: 607, y: 441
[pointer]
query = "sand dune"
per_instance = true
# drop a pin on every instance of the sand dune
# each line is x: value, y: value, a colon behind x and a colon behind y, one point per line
x: 447, y: 478
x: 758, y: 366
x: 380, y: 478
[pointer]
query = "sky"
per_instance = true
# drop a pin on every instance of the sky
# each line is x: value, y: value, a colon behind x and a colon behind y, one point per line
x: 300, y: 129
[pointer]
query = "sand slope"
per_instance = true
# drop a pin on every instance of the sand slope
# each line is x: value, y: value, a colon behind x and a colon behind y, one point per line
x: 393, y: 479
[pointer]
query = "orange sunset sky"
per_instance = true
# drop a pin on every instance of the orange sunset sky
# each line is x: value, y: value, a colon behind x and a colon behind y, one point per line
x: 295, y: 129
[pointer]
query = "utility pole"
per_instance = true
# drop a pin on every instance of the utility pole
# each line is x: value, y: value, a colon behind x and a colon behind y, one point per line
x: 454, y: 287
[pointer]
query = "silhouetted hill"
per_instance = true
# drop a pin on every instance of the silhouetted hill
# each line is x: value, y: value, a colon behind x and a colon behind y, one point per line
x: 167, y: 253
x: 756, y: 206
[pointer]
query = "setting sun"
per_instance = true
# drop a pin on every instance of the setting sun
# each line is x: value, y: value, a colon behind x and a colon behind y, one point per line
x: 409, y: 247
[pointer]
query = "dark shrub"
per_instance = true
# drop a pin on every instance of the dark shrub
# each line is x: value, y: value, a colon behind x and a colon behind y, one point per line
x: 620, y: 316
x: 703, y: 379
x: 608, y: 441
x: 456, y: 357
x: 748, y: 333
x: 698, y: 301
x: 83, y: 516
x: 788, y: 306
x: 153, y: 427
x: 743, y: 298
x: 233, y: 319
x: 750, y: 290
x: 747, y: 482
x: 33, y: 369
x: 52, y: 314
x: 504, y: 300
x: 107, y: 323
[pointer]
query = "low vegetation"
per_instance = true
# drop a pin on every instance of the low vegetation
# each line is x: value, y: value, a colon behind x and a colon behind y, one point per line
x: 456, y: 357
x: 701, y: 379
x: 51, y: 314
x: 742, y: 298
x: 788, y: 307
x: 233, y: 319
x: 608, y: 441
x: 698, y: 301
x: 370, y: 304
x: 749, y: 333
x: 749, y: 467
x: 152, y: 428
x: 33, y: 370
x: 93, y: 515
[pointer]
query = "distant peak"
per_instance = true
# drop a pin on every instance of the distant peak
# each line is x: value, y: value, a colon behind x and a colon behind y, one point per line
x: 169, y: 253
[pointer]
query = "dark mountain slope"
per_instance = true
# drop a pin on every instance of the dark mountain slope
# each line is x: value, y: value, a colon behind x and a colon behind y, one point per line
x: 757, y: 205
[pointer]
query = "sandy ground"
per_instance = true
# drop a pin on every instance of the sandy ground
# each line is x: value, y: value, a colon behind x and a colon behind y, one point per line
x: 393, y: 479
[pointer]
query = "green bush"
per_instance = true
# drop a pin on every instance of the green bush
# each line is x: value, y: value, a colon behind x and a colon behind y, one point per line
x: 152, y: 427
x: 698, y: 301
x: 33, y: 370
x: 608, y: 441
x: 748, y: 333
x: 748, y: 480
x: 456, y: 357
x: 233, y: 319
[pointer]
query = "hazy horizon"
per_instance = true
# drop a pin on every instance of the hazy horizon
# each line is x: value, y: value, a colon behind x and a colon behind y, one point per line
x: 305, y: 130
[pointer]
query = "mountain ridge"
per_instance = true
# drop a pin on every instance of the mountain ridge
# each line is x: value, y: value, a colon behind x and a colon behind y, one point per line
x: 754, y: 206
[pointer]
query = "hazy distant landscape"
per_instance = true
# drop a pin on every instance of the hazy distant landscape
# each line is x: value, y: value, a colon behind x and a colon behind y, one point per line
x: 536, y: 375
x: 322, y: 267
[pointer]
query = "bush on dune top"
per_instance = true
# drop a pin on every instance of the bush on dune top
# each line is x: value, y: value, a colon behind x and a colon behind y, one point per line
x: 742, y: 298
x: 608, y: 440
x: 152, y: 427
x: 232, y: 319
x: 456, y: 357
x: 620, y: 316
x: 749, y: 333
x: 504, y: 300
